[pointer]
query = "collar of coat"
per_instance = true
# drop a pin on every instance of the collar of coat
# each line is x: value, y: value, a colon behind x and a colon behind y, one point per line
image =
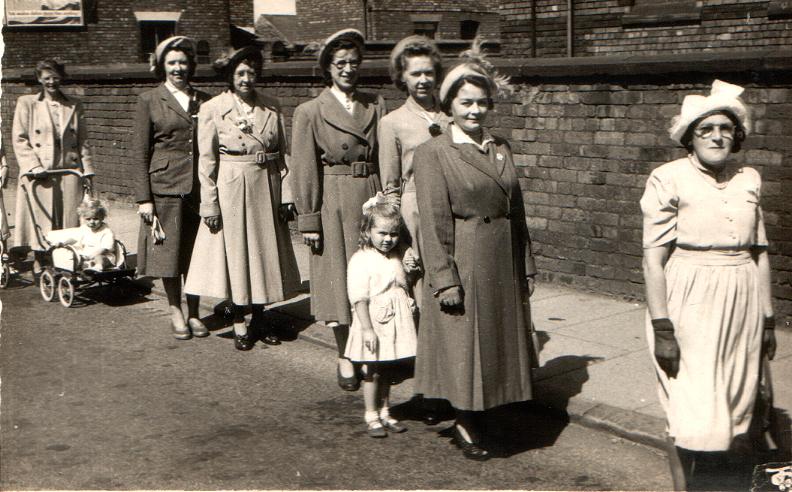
x: 264, y: 108
x: 69, y: 105
x: 359, y: 122
x: 170, y: 100
x: 491, y: 163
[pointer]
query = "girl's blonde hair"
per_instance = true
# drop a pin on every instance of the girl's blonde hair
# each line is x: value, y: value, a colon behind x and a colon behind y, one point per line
x: 92, y: 206
x: 382, y: 207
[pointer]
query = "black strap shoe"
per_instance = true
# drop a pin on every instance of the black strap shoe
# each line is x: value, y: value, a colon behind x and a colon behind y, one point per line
x: 243, y: 342
x: 470, y: 450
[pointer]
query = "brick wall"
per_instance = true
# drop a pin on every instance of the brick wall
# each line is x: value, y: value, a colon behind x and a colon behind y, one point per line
x: 115, y: 37
x: 585, y: 139
x: 317, y: 19
x: 240, y: 12
x: 725, y: 25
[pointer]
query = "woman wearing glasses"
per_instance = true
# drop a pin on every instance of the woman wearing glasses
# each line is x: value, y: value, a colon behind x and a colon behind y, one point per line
x: 707, y: 274
x: 334, y: 166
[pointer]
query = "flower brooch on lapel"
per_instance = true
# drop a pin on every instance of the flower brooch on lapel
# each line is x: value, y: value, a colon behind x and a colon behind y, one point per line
x: 499, y: 156
x: 244, y: 125
x: 435, y: 130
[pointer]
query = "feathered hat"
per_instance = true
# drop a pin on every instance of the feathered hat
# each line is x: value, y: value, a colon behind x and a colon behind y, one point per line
x: 474, y: 62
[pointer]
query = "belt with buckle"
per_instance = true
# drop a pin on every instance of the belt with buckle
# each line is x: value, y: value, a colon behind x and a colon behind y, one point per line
x: 357, y: 169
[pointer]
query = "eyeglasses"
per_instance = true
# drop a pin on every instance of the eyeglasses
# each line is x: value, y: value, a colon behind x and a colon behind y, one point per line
x: 340, y: 64
x: 706, y: 131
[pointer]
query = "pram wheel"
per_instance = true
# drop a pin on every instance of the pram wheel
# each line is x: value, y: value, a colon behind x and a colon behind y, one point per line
x: 65, y: 291
x: 47, y: 286
x: 5, y: 276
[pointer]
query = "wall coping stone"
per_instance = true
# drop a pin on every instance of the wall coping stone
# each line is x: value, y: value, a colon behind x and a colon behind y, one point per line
x: 767, y: 60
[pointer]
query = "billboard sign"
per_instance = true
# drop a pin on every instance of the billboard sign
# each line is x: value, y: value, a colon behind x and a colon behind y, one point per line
x: 43, y: 13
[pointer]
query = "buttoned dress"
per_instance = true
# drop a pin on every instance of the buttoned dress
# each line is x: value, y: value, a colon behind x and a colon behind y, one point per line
x: 40, y: 143
x: 401, y: 132
x: 250, y: 260
x: 712, y: 291
x: 165, y: 173
x: 474, y: 235
x: 334, y: 162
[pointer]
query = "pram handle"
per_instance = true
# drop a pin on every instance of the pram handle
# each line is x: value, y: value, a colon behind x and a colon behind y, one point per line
x: 55, y: 172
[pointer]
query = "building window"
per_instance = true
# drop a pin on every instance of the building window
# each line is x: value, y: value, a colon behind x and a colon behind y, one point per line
x: 154, y: 27
x: 425, y: 28
x: 662, y: 12
x: 202, y: 52
x: 468, y: 29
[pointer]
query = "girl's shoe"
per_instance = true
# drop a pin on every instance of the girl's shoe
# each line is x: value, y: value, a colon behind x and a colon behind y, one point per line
x: 181, y: 334
x: 470, y: 450
x: 243, y: 342
x: 375, y: 429
x: 393, y: 425
x: 264, y: 332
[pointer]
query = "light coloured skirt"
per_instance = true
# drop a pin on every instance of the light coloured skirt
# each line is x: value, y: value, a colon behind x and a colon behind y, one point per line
x: 391, y: 315
x: 713, y: 301
x: 251, y: 259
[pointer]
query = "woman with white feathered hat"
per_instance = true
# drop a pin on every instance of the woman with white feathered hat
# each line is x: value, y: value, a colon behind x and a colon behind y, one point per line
x: 477, y: 350
x: 710, y: 318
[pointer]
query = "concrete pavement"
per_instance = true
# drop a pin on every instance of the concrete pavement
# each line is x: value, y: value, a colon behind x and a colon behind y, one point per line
x: 595, y: 364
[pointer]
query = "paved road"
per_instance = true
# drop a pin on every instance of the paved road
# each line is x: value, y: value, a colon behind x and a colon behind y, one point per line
x: 101, y: 397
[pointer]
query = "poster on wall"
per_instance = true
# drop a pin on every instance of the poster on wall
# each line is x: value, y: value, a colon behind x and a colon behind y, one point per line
x: 35, y: 13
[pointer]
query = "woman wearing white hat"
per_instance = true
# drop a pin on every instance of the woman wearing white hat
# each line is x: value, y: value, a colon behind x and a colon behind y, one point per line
x: 710, y: 317
x: 165, y: 152
x: 334, y: 162
x: 476, y: 351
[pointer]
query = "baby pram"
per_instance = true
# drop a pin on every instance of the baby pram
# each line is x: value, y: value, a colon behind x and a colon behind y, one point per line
x: 64, y: 270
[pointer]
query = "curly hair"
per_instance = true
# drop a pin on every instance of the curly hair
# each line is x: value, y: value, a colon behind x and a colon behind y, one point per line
x: 92, y: 206
x: 386, y: 209
x: 739, y: 133
x: 416, y: 46
x: 159, y: 68
x: 340, y: 44
x: 52, y: 66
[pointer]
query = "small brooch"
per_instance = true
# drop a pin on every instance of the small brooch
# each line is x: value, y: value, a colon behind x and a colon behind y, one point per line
x: 244, y: 125
x: 499, y: 156
x: 435, y: 130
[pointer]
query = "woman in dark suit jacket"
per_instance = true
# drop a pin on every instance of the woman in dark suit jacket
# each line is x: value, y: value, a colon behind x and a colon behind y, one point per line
x: 165, y: 154
x: 474, y: 346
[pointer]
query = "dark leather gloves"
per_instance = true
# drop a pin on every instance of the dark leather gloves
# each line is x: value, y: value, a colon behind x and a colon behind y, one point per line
x: 287, y: 212
x: 666, y: 350
x: 768, y: 338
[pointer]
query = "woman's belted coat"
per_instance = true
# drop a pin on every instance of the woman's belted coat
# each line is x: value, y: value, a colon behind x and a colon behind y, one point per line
x: 474, y: 235
x: 328, y: 145
x: 50, y: 204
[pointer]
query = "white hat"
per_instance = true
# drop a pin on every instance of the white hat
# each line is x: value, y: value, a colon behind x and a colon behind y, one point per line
x: 181, y: 42
x: 463, y: 70
x: 723, y: 97
x: 352, y: 35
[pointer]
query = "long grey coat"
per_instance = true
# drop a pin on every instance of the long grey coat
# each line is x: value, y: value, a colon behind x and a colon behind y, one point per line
x: 475, y: 236
x: 325, y: 134
x: 49, y: 204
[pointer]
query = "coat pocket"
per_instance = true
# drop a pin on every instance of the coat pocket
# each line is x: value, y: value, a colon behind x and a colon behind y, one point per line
x: 158, y: 164
x: 382, y: 311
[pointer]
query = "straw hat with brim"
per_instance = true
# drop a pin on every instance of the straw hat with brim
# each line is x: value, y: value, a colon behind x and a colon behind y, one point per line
x: 325, y: 50
x: 723, y: 97
x: 182, y: 42
x: 230, y: 59
x: 463, y: 70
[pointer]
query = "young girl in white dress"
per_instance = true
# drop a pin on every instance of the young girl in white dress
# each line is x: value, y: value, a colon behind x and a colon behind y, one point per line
x: 383, y: 327
x: 93, y: 240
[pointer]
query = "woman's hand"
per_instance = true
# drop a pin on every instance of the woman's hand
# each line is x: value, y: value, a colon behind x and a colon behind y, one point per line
x: 451, y: 298
x: 313, y: 239
x: 370, y: 340
x: 768, y: 338
x: 88, y: 183
x: 287, y: 212
x: 146, y: 211
x: 3, y: 175
x: 666, y: 347
x: 214, y: 223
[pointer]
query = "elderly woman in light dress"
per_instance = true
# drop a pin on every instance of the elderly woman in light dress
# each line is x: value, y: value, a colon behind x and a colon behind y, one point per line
x: 710, y: 319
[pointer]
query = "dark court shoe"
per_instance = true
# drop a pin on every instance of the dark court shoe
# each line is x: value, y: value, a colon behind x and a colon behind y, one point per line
x: 470, y: 450
x: 347, y: 384
x: 243, y: 342
x: 264, y: 332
